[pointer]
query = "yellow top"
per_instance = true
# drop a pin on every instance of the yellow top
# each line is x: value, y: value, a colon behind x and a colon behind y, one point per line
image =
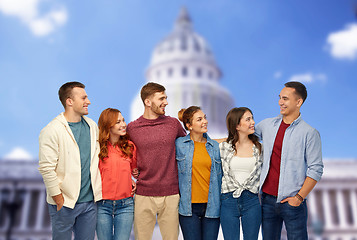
x: 201, y: 172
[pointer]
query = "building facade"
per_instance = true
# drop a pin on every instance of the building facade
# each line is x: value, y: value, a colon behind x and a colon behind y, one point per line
x: 23, y: 210
x: 184, y: 64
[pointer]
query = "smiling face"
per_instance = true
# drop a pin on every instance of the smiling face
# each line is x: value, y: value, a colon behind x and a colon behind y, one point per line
x: 289, y: 102
x: 79, y: 101
x: 119, y: 128
x: 198, y: 123
x: 157, y: 103
x: 246, y: 124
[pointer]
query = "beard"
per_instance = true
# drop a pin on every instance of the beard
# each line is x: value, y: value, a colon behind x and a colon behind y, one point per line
x: 156, y: 109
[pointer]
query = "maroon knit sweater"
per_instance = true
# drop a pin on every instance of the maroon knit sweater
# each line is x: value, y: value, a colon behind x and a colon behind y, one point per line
x: 155, y: 142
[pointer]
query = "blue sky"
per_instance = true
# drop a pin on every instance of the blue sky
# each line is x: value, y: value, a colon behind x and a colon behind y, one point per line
x: 259, y: 45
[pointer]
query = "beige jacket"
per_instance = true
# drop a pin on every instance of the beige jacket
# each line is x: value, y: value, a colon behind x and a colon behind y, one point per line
x: 60, y: 164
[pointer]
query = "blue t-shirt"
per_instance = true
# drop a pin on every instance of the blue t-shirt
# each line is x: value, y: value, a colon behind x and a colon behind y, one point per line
x: 81, y: 132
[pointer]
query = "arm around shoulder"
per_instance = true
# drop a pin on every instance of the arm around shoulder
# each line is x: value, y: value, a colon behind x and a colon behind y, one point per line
x: 180, y: 130
x: 258, y: 130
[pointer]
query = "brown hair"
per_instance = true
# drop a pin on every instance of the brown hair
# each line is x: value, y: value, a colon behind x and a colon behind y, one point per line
x: 108, y: 118
x: 233, y: 119
x: 186, y: 115
x: 65, y: 91
x: 149, y: 89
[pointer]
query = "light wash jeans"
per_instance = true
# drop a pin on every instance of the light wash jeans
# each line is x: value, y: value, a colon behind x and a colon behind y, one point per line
x: 80, y: 220
x: 115, y: 219
x: 245, y: 209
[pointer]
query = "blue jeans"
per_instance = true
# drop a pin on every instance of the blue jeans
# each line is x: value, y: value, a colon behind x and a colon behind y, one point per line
x: 274, y: 214
x: 80, y: 220
x: 115, y: 219
x: 247, y: 209
x: 197, y: 226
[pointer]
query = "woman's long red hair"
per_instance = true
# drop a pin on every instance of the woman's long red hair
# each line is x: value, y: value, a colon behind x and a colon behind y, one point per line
x: 108, y: 118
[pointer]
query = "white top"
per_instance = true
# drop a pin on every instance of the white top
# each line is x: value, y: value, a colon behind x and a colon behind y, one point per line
x: 242, y: 167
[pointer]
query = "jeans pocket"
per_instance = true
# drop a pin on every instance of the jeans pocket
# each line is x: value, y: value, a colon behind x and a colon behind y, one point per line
x: 52, y: 209
x: 293, y: 207
x: 225, y: 196
x: 129, y: 201
x: 60, y: 209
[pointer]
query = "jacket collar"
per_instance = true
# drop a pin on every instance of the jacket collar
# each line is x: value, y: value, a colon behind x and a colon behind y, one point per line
x: 64, y: 121
x: 279, y: 118
x: 187, y: 138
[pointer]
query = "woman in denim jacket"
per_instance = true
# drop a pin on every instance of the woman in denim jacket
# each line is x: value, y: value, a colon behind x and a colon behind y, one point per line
x: 200, y: 178
x: 241, y: 162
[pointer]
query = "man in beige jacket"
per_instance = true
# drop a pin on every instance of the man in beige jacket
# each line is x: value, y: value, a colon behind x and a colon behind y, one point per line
x: 68, y: 162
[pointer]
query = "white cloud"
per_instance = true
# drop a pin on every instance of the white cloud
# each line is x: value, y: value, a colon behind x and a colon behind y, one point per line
x: 278, y: 74
x: 308, y: 77
x: 28, y: 12
x: 343, y: 44
x: 18, y: 153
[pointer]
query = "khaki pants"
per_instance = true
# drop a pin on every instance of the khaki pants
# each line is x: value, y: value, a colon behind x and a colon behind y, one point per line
x: 166, y: 209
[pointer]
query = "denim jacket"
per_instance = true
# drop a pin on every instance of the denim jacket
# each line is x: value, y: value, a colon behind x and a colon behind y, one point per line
x: 301, y: 155
x: 184, y: 156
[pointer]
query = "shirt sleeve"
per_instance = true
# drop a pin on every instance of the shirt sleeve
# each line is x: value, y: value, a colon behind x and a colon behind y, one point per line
x: 180, y: 131
x: 314, y: 156
x: 133, y: 163
x: 48, y: 159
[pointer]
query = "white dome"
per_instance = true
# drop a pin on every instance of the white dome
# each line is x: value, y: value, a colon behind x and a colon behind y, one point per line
x: 184, y: 64
x: 182, y: 45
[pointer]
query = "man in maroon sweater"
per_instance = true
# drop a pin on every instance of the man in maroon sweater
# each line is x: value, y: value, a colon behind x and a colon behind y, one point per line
x: 157, y: 193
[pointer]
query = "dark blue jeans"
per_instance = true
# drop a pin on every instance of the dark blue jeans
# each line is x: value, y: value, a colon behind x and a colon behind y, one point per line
x: 197, y: 226
x: 274, y: 214
x: 247, y: 209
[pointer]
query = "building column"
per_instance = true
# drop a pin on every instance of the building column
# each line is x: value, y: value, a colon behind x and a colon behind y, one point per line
x: 341, y: 210
x: 40, y: 210
x: 25, y: 210
x: 327, y: 209
x: 312, y: 205
x: 353, y: 200
x: 1, y: 207
x: 7, y: 216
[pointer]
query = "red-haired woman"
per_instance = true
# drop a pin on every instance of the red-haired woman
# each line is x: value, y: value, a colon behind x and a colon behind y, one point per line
x: 117, y: 165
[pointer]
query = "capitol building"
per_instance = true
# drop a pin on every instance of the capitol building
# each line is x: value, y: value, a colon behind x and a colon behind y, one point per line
x: 184, y: 63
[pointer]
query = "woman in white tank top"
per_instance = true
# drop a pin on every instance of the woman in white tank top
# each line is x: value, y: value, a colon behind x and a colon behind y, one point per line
x: 241, y: 161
